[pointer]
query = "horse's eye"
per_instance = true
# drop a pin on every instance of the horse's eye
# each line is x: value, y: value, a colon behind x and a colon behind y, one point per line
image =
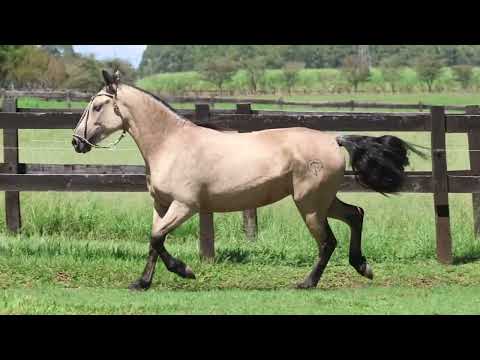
x: 97, y: 107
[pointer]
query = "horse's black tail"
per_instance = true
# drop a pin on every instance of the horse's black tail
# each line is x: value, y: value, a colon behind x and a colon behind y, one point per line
x: 379, y: 162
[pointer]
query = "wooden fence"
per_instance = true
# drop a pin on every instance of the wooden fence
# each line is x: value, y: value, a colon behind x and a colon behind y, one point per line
x: 16, y: 176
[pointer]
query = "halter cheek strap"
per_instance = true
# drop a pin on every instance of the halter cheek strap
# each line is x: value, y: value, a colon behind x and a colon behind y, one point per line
x: 116, y: 109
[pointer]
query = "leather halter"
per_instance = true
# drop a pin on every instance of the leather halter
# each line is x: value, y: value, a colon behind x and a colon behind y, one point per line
x: 116, y: 109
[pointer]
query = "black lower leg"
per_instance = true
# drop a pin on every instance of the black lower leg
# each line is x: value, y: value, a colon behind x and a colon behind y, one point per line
x: 144, y: 282
x: 172, y: 264
x: 356, y: 259
x: 325, y: 252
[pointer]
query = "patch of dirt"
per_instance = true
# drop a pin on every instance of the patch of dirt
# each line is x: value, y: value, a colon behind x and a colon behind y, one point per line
x: 62, y: 277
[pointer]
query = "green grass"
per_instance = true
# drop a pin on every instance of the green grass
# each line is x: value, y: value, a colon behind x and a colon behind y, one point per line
x: 79, y: 251
x: 444, y: 98
x: 27, y: 102
x: 451, y: 299
x: 323, y: 81
x: 78, y: 254
x: 71, y: 275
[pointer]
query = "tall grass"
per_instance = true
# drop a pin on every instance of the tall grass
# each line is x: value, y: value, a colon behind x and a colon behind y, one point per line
x: 399, y: 228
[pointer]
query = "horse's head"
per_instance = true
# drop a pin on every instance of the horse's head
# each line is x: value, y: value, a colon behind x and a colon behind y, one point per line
x: 101, y: 117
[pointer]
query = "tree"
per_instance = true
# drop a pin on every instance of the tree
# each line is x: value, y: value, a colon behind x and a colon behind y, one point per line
x: 7, y: 57
x: 168, y: 58
x: 84, y: 73
x: 255, y: 69
x: 391, y: 70
x: 463, y: 74
x: 58, y: 50
x: 31, y: 66
x: 290, y: 73
x: 172, y: 58
x: 253, y: 59
x: 355, y: 71
x: 56, y: 73
x: 127, y: 72
x: 218, y: 70
x: 27, y: 67
x: 428, y: 69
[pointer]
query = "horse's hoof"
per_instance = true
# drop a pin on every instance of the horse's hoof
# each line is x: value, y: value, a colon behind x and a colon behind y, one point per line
x: 368, y: 273
x: 139, y: 285
x: 363, y: 268
x: 188, y: 273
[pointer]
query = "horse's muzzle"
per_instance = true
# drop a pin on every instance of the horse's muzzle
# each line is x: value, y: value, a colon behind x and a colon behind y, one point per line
x: 80, y: 146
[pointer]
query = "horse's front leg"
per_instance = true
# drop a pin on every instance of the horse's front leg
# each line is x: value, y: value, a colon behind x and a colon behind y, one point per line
x: 144, y: 282
x: 176, y: 214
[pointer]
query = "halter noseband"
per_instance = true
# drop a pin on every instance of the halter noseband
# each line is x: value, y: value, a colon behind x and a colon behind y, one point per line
x: 116, y: 109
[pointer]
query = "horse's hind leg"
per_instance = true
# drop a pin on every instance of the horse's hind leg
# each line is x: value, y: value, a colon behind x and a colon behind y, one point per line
x: 318, y: 225
x: 353, y: 217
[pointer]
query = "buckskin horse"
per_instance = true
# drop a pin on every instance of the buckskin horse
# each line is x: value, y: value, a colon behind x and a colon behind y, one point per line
x: 192, y: 169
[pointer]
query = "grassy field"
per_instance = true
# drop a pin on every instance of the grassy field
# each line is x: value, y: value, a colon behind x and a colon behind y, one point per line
x: 325, y: 81
x: 444, y: 98
x: 79, y: 251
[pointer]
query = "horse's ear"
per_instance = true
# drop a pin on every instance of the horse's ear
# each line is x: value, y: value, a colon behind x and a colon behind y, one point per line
x: 107, y: 77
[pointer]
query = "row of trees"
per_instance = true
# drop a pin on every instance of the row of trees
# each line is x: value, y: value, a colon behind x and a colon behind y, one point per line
x: 58, y: 66
x: 355, y: 71
x: 176, y: 58
x: 223, y: 79
x: 54, y: 67
x: 428, y: 68
x: 219, y: 70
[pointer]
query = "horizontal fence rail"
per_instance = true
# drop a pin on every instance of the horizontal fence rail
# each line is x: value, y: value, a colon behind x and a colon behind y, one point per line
x: 261, y: 120
x: 16, y: 176
x: 119, y: 182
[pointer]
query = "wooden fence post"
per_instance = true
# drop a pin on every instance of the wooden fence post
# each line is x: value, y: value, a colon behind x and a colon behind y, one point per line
x: 250, y: 221
x: 440, y: 184
x: 68, y: 99
x: 10, y: 157
x: 207, y: 230
x: 474, y: 154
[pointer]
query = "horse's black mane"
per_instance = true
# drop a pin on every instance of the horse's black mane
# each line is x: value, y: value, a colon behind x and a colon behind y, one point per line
x: 148, y: 93
x: 156, y: 97
x: 206, y: 125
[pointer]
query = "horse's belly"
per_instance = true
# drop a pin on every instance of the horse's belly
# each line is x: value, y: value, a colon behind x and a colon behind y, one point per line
x: 248, y: 195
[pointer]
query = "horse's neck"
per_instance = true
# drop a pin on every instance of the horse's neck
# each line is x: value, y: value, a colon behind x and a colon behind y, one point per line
x: 150, y: 123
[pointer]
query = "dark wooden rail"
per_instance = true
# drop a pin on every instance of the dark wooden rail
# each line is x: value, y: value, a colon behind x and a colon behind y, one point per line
x: 16, y: 176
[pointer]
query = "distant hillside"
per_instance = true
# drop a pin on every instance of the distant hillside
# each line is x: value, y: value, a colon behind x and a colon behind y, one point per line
x: 175, y: 58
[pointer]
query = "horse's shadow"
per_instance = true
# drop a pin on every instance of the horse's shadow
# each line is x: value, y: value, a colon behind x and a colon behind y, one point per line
x: 466, y: 259
x: 237, y: 256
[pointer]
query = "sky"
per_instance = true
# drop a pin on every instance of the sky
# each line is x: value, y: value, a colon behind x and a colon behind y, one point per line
x: 130, y: 53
